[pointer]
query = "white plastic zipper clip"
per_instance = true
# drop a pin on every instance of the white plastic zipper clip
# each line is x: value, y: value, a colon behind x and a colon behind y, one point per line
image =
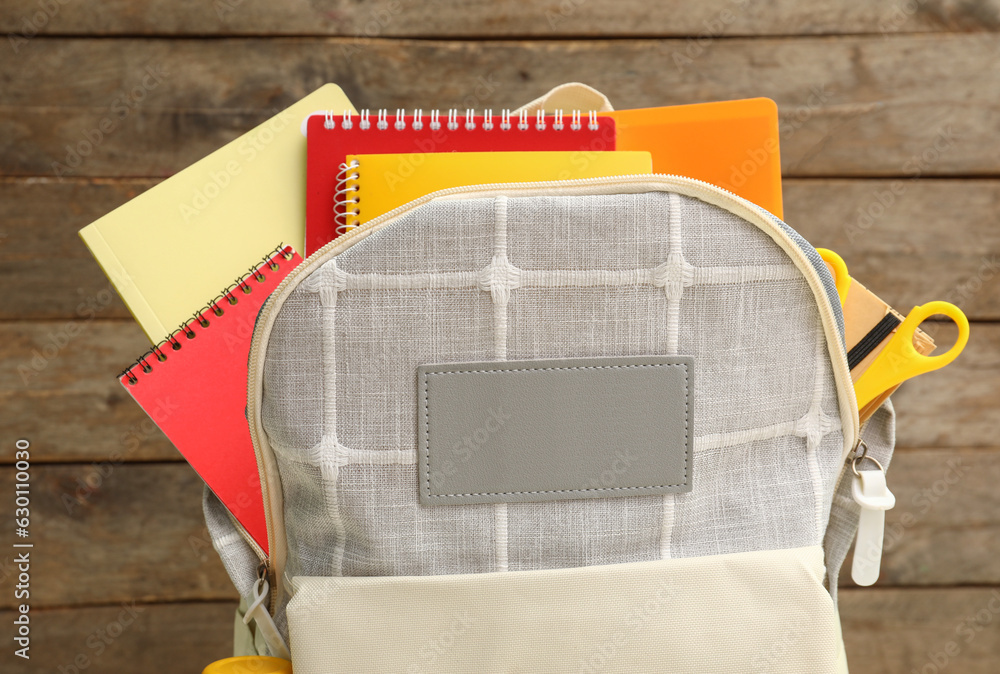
x: 872, y: 494
x: 259, y: 614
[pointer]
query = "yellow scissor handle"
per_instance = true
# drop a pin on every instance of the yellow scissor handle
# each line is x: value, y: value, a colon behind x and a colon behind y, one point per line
x: 840, y: 276
x: 899, y: 360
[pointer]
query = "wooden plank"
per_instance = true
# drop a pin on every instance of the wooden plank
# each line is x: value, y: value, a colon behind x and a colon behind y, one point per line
x: 58, y: 388
x: 905, y: 252
x: 945, y: 528
x: 132, y: 532
x: 125, y: 637
x: 865, y: 106
x: 40, y: 220
x: 890, y: 630
x: 97, y: 420
x: 924, y: 631
x: 910, y: 241
x: 500, y: 18
x: 956, y: 406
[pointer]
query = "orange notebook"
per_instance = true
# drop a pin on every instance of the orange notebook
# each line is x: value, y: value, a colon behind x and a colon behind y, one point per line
x: 731, y: 144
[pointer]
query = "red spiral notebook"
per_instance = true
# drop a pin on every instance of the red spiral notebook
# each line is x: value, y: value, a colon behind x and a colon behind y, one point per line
x: 193, y: 384
x: 331, y: 137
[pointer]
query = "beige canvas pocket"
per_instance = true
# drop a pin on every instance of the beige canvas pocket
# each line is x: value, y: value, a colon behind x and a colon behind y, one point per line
x: 747, y: 612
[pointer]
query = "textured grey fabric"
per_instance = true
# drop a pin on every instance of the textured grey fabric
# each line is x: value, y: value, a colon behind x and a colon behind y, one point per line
x: 829, y: 284
x: 292, y: 418
x: 240, y: 562
x: 238, y: 558
x: 550, y: 277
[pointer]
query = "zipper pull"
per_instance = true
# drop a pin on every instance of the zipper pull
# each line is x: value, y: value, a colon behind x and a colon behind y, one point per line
x: 259, y: 614
x: 872, y: 494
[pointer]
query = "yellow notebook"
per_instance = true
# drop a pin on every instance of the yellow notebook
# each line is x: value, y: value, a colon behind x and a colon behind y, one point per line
x: 387, y: 181
x: 171, y: 249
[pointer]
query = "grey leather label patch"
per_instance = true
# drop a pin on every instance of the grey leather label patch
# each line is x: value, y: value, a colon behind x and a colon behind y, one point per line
x: 543, y: 430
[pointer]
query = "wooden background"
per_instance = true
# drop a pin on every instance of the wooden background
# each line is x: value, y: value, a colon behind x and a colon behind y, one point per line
x: 870, y: 94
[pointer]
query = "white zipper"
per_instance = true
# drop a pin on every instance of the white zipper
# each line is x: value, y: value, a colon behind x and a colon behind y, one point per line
x: 636, y: 183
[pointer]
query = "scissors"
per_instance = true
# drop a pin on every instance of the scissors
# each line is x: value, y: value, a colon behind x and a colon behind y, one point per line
x: 899, y: 360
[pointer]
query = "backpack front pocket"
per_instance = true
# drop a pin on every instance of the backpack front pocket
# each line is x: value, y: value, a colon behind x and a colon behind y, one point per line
x: 761, y: 611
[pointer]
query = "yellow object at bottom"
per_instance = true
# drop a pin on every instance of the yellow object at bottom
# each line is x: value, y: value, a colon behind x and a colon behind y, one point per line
x: 249, y: 664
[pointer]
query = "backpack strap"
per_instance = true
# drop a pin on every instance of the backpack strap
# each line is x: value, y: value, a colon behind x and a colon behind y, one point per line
x: 569, y: 96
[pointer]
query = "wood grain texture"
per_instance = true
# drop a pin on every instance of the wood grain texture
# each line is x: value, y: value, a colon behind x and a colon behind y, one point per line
x: 182, y: 637
x: 903, y: 252
x: 860, y: 106
x: 115, y: 533
x: 496, y: 18
x: 74, y: 409
x: 909, y: 241
x: 39, y: 221
x: 904, y: 631
x: 872, y: 95
x: 58, y: 388
x: 955, y: 406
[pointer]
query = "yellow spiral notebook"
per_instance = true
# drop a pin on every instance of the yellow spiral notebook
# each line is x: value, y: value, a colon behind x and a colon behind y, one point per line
x: 374, y: 184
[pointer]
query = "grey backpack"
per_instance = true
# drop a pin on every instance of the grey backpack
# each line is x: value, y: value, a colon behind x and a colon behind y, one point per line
x: 580, y: 426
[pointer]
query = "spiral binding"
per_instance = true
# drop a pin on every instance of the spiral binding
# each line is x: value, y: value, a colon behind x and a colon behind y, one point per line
x: 345, y: 194
x: 214, y: 307
x: 454, y: 119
